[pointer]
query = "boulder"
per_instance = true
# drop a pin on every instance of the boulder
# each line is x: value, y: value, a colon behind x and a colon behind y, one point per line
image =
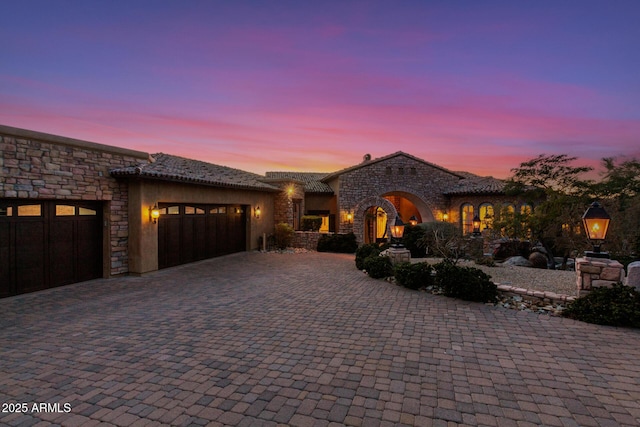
x: 506, y: 248
x: 518, y: 261
x: 633, y: 275
x: 538, y: 260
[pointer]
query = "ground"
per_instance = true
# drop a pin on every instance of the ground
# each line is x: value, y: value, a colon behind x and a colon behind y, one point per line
x: 302, y: 339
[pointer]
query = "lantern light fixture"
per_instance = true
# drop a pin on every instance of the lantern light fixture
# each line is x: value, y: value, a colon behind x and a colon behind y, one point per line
x: 397, y: 231
x: 476, y: 225
x: 154, y: 213
x: 349, y: 217
x: 413, y: 221
x: 257, y: 212
x: 596, y: 223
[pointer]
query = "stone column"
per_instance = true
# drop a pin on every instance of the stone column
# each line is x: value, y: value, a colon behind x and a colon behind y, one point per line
x: 596, y: 272
x: 398, y: 255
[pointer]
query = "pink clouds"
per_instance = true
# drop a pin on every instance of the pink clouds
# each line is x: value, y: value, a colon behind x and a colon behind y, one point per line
x: 259, y: 87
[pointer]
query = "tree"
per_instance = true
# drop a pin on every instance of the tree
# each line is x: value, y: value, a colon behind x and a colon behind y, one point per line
x: 558, y: 193
x: 619, y: 192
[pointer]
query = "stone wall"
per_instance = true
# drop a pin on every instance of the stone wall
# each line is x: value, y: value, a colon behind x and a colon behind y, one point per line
x: 597, y: 272
x: 34, y: 165
x: 306, y: 239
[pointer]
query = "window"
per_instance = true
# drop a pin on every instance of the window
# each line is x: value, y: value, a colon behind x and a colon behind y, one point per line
x: 218, y: 210
x: 486, y: 215
x: 8, y: 211
x: 86, y: 212
x: 65, y: 210
x: 466, y: 218
x: 30, y: 210
x: 171, y: 210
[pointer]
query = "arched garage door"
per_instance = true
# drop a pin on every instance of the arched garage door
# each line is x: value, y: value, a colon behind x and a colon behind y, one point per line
x: 188, y: 233
x: 44, y: 244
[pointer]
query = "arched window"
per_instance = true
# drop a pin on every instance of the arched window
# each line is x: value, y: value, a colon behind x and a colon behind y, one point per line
x: 466, y: 218
x: 486, y: 216
x: 526, y: 209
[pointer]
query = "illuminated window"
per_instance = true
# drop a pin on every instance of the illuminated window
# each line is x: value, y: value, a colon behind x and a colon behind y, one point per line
x: 526, y: 209
x: 30, y: 210
x: 86, y: 212
x: 173, y: 210
x: 466, y: 218
x: 189, y: 210
x: 8, y: 211
x: 65, y: 210
x: 486, y: 215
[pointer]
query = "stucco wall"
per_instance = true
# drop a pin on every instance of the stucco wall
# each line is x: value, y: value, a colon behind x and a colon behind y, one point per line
x: 145, y: 193
x: 35, y: 165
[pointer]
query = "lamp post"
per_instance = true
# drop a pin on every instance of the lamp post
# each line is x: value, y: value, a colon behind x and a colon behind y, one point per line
x: 413, y: 221
x: 476, y: 225
x: 596, y: 224
x: 397, y: 232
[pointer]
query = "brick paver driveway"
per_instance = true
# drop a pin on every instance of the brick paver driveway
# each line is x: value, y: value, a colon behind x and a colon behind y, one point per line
x: 301, y: 339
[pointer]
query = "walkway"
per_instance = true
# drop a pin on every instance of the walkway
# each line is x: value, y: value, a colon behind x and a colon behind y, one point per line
x: 304, y: 340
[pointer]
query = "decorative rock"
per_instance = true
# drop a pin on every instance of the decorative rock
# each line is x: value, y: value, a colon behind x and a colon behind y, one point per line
x: 538, y: 260
x: 518, y: 261
x: 633, y: 275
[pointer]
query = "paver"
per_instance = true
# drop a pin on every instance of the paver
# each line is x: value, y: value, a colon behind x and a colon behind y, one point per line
x: 303, y: 339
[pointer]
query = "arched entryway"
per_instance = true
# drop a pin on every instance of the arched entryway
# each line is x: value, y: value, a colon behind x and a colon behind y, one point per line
x: 367, y: 219
x: 373, y: 216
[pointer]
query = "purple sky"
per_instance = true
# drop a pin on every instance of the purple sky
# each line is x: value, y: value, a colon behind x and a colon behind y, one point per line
x: 276, y: 85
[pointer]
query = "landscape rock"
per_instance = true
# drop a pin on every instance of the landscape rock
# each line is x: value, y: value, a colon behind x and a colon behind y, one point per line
x: 538, y: 260
x: 518, y: 261
x: 633, y: 275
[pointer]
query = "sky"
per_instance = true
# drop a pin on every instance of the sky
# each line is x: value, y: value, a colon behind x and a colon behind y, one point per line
x: 477, y: 86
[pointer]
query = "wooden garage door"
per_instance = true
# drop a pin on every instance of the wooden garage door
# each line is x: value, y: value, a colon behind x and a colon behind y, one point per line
x: 188, y: 233
x: 44, y: 244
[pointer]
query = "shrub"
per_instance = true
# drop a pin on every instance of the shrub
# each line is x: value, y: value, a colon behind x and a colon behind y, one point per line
x: 413, y: 276
x: 467, y: 283
x: 284, y: 235
x: 413, y: 235
x: 341, y: 243
x: 365, y: 251
x: 310, y: 223
x: 378, y: 267
x: 615, y: 306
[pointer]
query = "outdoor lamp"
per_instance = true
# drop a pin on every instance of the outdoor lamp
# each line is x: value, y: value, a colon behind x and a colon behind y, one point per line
x: 397, y: 231
x: 596, y: 224
x: 257, y: 212
x: 154, y: 213
x: 349, y: 217
x: 413, y: 220
x: 476, y: 225
x: 445, y: 217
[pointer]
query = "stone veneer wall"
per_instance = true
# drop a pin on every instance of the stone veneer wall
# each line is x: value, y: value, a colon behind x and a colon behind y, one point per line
x: 400, y: 174
x: 34, y: 165
x: 283, y: 203
x: 597, y: 272
x: 306, y: 239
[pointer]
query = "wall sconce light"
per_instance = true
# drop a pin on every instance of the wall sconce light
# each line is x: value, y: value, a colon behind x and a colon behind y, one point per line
x: 257, y: 212
x: 413, y: 221
x: 596, y: 224
x: 349, y: 217
x: 445, y: 217
x: 476, y: 225
x: 154, y: 213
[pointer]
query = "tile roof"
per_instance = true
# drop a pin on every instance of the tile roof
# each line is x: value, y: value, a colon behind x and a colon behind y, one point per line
x: 312, y: 180
x: 173, y: 168
x: 474, y: 184
x: 389, y: 156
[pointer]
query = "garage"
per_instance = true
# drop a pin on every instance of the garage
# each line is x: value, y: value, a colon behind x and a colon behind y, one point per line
x: 45, y: 244
x: 188, y: 233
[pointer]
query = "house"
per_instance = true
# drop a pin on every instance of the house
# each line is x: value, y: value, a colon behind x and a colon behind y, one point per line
x: 73, y: 210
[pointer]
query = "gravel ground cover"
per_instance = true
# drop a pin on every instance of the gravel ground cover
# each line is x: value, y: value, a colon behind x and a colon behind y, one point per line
x: 557, y: 281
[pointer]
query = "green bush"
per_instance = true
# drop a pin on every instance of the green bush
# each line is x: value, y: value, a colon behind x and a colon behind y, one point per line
x: 341, y: 243
x: 378, y: 267
x: 365, y: 251
x: 310, y: 223
x: 414, y: 276
x: 467, y: 283
x: 284, y: 235
x: 413, y: 235
x: 615, y: 306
